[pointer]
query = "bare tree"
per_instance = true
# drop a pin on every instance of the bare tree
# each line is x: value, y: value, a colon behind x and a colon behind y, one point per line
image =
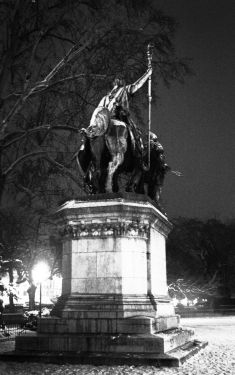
x: 201, y: 253
x: 55, y: 57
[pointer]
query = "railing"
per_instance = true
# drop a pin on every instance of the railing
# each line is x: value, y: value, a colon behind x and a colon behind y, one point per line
x: 10, y: 331
x: 11, y: 325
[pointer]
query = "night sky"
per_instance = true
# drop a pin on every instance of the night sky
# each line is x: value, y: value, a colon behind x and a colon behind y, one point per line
x: 195, y: 121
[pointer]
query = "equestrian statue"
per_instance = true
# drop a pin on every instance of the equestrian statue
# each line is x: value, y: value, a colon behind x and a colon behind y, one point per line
x: 113, y: 145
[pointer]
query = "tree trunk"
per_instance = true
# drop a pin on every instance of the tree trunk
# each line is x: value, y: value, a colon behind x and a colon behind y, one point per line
x: 11, y: 296
x: 31, y: 292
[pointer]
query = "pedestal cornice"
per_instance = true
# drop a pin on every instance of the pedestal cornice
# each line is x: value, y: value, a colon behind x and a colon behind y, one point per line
x: 111, y: 215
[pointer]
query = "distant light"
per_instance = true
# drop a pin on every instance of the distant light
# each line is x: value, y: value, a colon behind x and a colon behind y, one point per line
x: 40, y: 272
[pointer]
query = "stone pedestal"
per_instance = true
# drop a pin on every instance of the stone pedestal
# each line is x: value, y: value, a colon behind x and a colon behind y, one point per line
x: 114, y: 294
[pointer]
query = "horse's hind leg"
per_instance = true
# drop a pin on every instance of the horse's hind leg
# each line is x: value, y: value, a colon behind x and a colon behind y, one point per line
x: 133, y: 184
x: 113, y: 166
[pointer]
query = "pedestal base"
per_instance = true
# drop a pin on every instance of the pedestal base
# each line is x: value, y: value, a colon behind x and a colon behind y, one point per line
x: 114, y: 306
x: 170, y: 348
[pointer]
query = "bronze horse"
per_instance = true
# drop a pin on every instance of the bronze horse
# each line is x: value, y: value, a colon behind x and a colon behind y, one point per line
x: 108, y: 150
x: 151, y: 180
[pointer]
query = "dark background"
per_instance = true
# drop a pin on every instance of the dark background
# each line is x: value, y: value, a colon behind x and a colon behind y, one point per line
x: 195, y: 121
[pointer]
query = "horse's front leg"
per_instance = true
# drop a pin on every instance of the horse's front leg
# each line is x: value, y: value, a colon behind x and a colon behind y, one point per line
x: 117, y: 160
x: 115, y: 184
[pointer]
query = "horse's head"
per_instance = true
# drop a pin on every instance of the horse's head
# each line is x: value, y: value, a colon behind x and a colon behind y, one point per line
x: 83, y: 132
x: 155, y: 144
x: 99, y: 122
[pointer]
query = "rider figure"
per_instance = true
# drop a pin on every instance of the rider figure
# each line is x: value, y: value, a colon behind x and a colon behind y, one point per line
x: 117, y: 102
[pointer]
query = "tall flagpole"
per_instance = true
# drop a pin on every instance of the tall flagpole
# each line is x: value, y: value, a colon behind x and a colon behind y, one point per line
x: 149, y: 56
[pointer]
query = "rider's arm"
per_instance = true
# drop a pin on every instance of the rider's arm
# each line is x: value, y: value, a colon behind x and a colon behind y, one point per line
x: 102, y: 102
x: 132, y: 88
x: 107, y: 102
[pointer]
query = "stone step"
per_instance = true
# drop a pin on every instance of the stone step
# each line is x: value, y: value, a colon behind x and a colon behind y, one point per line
x: 154, y: 343
x: 172, y: 358
x: 91, y: 343
x: 135, y: 325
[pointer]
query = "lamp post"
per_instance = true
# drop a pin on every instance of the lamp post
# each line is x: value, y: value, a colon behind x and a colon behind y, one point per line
x: 40, y: 273
x: 40, y: 299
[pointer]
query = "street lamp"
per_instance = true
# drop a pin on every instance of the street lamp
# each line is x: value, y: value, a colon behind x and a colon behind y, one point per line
x: 40, y: 273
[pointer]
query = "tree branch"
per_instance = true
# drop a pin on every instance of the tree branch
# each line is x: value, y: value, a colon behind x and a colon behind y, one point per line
x: 64, y: 170
x: 70, y: 78
x: 19, y: 160
x: 25, y: 190
x: 61, y: 38
x: 71, y: 54
x: 38, y: 129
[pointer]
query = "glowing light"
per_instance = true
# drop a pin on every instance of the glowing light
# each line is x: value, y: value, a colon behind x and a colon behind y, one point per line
x: 40, y: 272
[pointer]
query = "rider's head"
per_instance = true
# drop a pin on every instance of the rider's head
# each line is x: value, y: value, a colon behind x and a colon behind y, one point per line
x: 119, y: 81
